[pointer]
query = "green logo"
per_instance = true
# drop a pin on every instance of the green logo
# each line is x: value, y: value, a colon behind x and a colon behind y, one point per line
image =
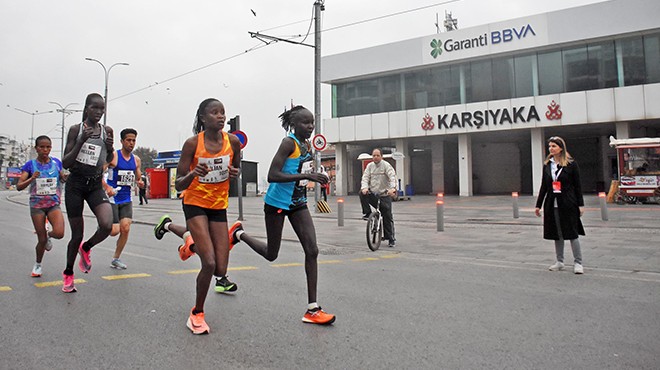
x: 436, y: 48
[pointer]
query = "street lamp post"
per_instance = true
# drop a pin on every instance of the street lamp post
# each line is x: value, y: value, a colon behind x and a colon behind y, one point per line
x: 35, y: 113
x: 107, y: 75
x: 64, y: 112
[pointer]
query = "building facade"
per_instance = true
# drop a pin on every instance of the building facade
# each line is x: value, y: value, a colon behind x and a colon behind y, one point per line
x: 471, y: 110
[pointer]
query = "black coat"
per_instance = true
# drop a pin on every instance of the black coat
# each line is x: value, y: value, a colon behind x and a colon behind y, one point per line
x: 568, y: 202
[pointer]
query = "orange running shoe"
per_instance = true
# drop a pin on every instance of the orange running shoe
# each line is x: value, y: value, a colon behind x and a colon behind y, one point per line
x: 185, y: 250
x: 233, y: 239
x: 197, y: 324
x: 318, y: 316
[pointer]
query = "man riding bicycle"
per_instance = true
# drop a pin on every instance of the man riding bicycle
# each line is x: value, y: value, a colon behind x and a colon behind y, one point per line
x: 379, y: 179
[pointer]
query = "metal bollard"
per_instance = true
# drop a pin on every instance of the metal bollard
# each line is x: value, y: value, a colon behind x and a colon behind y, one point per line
x: 514, y: 199
x: 440, y: 209
x: 603, y: 206
x: 340, y: 211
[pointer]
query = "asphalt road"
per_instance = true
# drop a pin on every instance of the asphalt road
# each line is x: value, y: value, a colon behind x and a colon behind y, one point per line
x: 477, y: 296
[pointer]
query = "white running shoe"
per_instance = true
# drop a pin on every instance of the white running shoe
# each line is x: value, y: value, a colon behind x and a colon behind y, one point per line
x: 36, y: 270
x: 578, y: 269
x: 558, y: 266
x: 118, y: 264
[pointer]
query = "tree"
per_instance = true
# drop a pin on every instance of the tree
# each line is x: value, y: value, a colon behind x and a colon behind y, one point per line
x: 147, y: 155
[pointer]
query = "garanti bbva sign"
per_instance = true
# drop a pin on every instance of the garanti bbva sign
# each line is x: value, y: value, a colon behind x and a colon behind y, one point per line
x: 477, y: 41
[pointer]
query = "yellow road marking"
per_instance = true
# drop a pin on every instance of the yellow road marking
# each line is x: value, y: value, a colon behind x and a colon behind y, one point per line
x: 181, y: 272
x: 329, y: 261
x: 46, y: 284
x: 195, y: 271
x: 391, y: 256
x: 125, y: 276
x: 242, y: 268
x: 287, y: 264
x: 365, y: 259
x: 5, y: 288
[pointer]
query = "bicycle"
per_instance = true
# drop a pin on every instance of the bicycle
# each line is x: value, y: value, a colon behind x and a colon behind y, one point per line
x: 375, y: 225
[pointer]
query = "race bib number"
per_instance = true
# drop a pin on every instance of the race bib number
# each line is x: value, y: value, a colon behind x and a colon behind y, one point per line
x: 89, y: 154
x: 306, y: 168
x: 556, y: 187
x: 125, y: 177
x: 46, y: 186
x: 218, y: 169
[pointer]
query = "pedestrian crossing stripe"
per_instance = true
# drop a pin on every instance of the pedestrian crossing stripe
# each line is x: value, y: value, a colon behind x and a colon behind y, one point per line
x: 5, y: 288
x: 124, y: 276
x: 391, y: 256
x: 47, y: 284
x: 328, y: 262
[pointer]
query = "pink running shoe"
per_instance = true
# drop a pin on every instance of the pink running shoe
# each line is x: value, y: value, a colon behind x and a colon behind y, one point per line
x: 67, y: 285
x: 85, y: 262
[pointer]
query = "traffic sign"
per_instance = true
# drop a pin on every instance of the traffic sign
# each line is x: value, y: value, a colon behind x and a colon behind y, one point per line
x: 242, y: 137
x: 397, y: 156
x: 319, y: 142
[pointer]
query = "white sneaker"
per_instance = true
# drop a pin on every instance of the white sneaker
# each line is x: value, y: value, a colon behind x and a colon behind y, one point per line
x: 578, y: 269
x: 558, y: 266
x: 36, y: 270
x: 49, y: 244
x: 117, y: 264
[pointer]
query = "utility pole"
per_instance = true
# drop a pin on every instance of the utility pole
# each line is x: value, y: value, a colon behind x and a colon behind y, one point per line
x: 319, y: 6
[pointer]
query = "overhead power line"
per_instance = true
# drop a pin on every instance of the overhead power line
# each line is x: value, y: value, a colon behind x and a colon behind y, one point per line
x: 262, y: 45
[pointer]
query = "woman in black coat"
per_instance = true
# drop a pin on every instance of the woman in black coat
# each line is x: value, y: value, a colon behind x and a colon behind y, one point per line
x: 563, y: 205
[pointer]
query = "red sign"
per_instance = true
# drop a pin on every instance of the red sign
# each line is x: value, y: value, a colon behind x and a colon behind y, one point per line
x: 319, y: 142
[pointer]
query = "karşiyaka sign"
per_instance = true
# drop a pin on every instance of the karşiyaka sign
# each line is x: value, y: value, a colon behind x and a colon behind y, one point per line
x: 489, y: 117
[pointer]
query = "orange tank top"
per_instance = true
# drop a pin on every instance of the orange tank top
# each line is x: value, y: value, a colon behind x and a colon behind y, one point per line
x: 212, y: 190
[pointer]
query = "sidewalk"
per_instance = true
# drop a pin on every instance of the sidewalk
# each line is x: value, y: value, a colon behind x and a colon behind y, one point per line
x: 479, y: 227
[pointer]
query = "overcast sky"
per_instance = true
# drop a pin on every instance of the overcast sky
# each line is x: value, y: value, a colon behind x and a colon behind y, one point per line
x: 44, y: 43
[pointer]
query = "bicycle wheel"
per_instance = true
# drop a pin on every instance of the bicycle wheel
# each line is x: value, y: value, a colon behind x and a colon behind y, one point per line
x: 374, y: 231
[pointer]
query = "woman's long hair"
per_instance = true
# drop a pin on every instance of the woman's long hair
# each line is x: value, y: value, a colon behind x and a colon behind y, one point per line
x: 564, y: 157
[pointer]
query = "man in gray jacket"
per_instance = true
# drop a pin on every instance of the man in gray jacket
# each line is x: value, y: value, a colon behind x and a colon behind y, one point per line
x: 379, y: 180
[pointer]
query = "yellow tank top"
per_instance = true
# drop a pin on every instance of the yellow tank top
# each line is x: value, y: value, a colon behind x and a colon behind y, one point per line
x: 212, y: 190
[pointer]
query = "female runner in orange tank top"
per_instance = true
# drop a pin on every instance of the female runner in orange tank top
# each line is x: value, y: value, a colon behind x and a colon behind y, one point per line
x: 207, y: 162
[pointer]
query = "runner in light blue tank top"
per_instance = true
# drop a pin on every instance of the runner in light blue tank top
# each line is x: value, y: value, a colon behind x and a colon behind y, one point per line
x: 293, y: 194
x: 289, y: 173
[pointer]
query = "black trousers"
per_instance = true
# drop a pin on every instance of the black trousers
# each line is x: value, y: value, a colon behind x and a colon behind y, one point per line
x: 385, y: 210
x: 143, y: 196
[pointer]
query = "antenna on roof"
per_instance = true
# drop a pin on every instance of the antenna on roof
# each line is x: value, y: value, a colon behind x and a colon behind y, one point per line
x: 450, y: 23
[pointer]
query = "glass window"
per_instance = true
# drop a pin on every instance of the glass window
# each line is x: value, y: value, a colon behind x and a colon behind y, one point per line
x: 389, y: 94
x: 632, y: 55
x: 551, y: 76
x: 503, y: 79
x: 479, y: 82
x: 421, y: 89
x: 449, y: 79
x: 652, y: 57
x: 359, y: 97
x: 524, y: 75
x: 577, y: 71
x: 602, y: 65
